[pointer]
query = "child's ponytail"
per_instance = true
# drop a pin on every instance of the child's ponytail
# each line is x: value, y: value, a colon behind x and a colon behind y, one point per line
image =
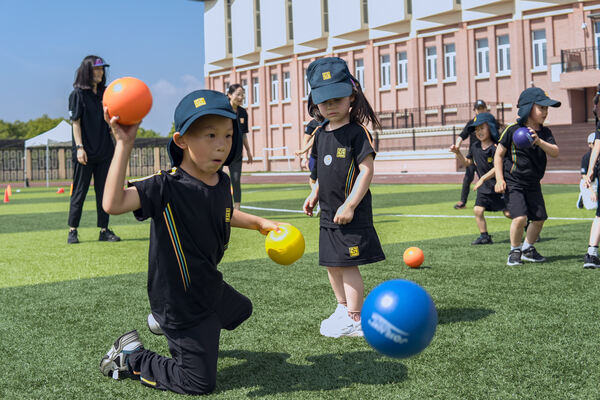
x: 362, y: 112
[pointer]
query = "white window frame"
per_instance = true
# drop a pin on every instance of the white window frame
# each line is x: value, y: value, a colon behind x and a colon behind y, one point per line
x: 384, y: 71
x: 430, y: 64
x: 274, y: 88
x: 287, y: 86
x: 538, y: 47
x: 244, y: 83
x: 402, y: 69
x: 449, y: 63
x: 306, y: 85
x: 255, y: 91
x: 482, y: 57
x: 359, y: 71
x: 597, y: 43
x: 503, y: 56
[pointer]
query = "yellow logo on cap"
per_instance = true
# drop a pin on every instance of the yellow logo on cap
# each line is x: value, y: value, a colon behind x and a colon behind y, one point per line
x: 353, y: 251
x: 326, y: 75
x: 546, y: 93
x: 341, y: 152
x: 199, y: 102
x: 475, y: 119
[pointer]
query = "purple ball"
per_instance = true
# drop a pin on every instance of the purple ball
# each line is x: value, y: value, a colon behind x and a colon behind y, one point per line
x: 522, y: 138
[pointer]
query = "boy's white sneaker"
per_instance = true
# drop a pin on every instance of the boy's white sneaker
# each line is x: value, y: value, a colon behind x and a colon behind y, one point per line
x: 344, y: 327
x: 341, y: 312
x: 354, y: 329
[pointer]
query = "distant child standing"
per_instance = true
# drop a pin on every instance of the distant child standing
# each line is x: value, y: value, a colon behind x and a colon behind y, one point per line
x: 481, y: 155
x: 520, y: 170
x: 591, y: 259
x: 344, y: 154
x: 303, y: 153
x: 192, y: 214
x: 587, y: 196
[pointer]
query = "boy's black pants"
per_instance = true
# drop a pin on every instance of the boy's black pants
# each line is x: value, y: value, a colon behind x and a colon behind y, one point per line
x: 193, y: 366
x: 82, y: 176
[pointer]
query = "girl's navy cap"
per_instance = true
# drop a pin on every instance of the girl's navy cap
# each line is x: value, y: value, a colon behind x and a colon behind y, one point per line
x: 195, y: 105
x: 484, y: 118
x: 329, y: 78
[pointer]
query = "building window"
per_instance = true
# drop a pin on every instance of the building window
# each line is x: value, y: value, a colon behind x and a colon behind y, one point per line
x: 539, y: 49
x: 483, y: 57
x: 290, y: 20
x: 255, y: 91
x: 326, y: 16
x: 359, y: 72
x: 384, y: 70
x: 402, y: 70
x: 430, y: 64
x: 229, y: 31
x: 226, y: 85
x: 503, y: 58
x: 365, y: 11
x: 287, y: 85
x: 257, y: 21
x: 306, y: 85
x: 450, y: 61
x: 244, y: 84
x: 274, y: 88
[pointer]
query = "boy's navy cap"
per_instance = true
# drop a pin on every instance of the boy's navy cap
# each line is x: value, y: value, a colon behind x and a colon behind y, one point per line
x: 531, y: 96
x: 329, y: 78
x: 479, y: 104
x: 195, y: 105
x: 484, y: 118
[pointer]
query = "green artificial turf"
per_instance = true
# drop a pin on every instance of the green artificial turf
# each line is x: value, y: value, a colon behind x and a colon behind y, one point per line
x: 528, y: 332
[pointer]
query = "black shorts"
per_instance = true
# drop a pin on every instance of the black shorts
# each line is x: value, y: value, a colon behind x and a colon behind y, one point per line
x: 490, y: 201
x: 527, y: 201
x: 342, y: 247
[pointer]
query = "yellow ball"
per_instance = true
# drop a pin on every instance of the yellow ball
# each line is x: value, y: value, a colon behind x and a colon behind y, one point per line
x: 286, y: 246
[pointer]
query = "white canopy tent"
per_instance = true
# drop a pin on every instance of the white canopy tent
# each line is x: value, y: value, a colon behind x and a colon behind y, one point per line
x: 60, y: 135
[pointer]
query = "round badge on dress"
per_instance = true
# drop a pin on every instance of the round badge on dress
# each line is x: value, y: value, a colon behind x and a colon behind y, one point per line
x: 327, y: 159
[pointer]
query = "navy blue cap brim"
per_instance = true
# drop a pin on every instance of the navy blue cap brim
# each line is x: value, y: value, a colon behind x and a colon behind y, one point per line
x: 548, y: 103
x: 332, y: 91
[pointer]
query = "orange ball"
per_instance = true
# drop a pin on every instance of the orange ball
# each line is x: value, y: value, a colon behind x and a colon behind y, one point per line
x: 129, y: 99
x: 414, y: 257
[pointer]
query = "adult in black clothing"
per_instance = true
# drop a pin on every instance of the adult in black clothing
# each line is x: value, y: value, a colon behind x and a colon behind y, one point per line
x: 92, y: 144
x: 236, y: 96
x: 479, y: 107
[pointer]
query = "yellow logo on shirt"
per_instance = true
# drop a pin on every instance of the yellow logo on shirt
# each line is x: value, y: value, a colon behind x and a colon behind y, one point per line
x: 353, y: 251
x: 490, y: 159
x: 242, y: 120
x: 227, y: 214
x: 199, y: 102
x: 326, y: 75
x: 341, y: 152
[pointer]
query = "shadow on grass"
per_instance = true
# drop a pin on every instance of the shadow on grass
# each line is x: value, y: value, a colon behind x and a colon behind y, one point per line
x: 451, y: 315
x: 274, y: 374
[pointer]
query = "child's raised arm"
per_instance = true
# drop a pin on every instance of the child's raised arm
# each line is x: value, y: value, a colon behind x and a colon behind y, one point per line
x: 345, y: 213
x: 117, y: 199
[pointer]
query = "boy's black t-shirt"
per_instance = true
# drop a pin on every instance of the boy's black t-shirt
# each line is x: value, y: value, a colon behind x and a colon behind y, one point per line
x: 338, y: 154
x: 524, y: 166
x: 484, y: 161
x: 189, y: 234
x: 86, y: 106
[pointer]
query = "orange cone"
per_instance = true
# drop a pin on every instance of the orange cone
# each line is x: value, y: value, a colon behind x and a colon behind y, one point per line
x: 71, y: 191
x: 6, y: 199
x: 60, y: 190
x: 9, y: 190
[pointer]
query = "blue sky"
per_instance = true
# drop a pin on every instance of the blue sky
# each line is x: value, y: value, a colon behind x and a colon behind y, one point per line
x: 43, y: 42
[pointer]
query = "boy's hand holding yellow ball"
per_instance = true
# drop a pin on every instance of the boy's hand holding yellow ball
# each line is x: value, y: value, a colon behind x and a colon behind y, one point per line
x: 285, y: 245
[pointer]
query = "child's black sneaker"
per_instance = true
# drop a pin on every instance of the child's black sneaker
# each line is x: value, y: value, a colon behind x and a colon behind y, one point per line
x: 532, y: 255
x: 460, y: 205
x: 514, y: 257
x: 72, y: 238
x: 590, y: 261
x: 114, y: 363
x: 483, y: 239
x: 108, y: 236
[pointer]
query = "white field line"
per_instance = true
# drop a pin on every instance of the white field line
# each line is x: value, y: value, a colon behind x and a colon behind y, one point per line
x: 417, y: 215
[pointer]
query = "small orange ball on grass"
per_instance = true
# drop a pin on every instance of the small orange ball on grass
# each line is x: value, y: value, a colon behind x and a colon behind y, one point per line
x: 413, y: 257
